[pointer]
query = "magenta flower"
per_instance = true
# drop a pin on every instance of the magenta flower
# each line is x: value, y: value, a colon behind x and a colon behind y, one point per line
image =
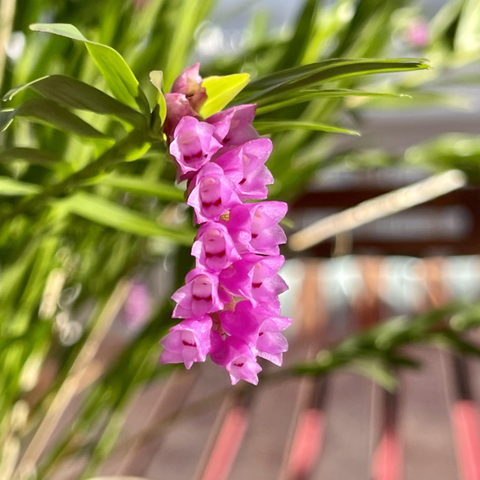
x: 258, y: 328
x: 199, y: 296
x: 187, y: 342
x: 247, y: 163
x: 178, y: 107
x: 213, y: 194
x: 237, y: 250
x: 214, y: 249
x: 189, y: 83
x: 254, y: 227
x: 255, y: 278
x: 238, y: 359
x: 193, y: 146
x: 233, y: 127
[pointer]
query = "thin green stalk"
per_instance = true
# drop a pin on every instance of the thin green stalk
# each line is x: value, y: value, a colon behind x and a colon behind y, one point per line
x: 71, y: 384
x: 7, y: 15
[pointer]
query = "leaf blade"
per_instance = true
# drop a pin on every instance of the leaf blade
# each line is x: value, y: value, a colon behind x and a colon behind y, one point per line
x: 221, y: 91
x: 139, y: 186
x: 279, y: 126
x: 100, y: 210
x: 12, y: 187
x: 114, y: 69
x: 50, y: 113
x: 73, y: 93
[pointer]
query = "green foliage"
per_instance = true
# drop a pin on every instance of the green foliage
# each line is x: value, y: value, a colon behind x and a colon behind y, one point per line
x: 221, y: 91
x: 87, y: 194
x: 117, y: 74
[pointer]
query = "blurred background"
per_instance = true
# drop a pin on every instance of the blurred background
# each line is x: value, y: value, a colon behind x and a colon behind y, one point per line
x: 382, y: 261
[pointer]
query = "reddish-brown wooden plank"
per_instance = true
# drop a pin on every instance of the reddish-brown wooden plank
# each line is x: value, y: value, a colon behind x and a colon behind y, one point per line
x: 347, y: 441
x: 429, y: 448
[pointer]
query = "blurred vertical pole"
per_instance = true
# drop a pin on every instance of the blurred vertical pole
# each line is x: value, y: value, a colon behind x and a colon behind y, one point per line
x: 464, y: 413
x: 304, y: 445
x: 7, y: 15
x: 386, y: 461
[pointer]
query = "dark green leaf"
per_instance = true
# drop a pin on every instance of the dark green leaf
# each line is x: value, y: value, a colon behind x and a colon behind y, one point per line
x: 50, y: 113
x: 319, y: 73
x: 279, y: 126
x: 30, y: 155
x: 162, y: 190
x: 117, y: 74
x: 104, y: 212
x: 270, y: 105
x: 73, y: 93
x: 303, y: 31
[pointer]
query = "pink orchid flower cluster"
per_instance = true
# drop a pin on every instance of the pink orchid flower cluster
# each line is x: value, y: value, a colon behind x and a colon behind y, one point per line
x: 229, y: 305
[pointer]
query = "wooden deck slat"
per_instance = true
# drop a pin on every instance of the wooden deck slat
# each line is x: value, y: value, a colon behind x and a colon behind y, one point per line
x: 425, y: 426
x: 346, y: 448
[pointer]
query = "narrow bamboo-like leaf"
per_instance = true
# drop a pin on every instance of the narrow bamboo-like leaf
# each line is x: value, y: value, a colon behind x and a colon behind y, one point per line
x: 221, y: 91
x: 105, y: 212
x: 6, y: 118
x: 9, y: 186
x: 73, y: 93
x: 162, y: 190
x: 288, y: 75
x: 51, y: 113
x: 117, y: 74
x: 311, y: 94
x: 377, y: 372
x: 279, y: 126
x: 30, y: 155
x: 303, y: 30
x: 328, y: 73
x: 156, y: 77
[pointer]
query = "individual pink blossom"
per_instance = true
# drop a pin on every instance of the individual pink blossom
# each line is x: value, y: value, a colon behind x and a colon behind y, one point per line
x: 214, y: 248
x: 187, y: 342
x: 193, y: 146
x: 178, y: 107
x: 199, y: 296
x: 259, y: 329
x: 254, y: 227
x: 233, y: 127
x: 213, y: 194
x: 247, y: 162
x: 189, y: 83
x: 238, y: 359
x: 256, y: 279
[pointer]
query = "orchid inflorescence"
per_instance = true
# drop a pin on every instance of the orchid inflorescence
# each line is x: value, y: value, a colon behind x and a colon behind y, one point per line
x: 229, y: 305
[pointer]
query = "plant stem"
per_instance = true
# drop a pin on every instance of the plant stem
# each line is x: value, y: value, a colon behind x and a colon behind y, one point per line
x: 71, y: 384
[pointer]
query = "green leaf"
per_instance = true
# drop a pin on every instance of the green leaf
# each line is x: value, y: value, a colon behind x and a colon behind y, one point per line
x: 105, y: 212
x: 30, y: 155
x: 117, y: 74
x: 288, y: 75
x: 279, y: 126
x: 270, y: 105
x: 11, y: 187
x: 376, y: 371
x: 304, y: 27
x: 45, y: 111
x: 322, y: 72
x: 139, y: 186
x: 156, y: 77
x: 221, y: 91
x: 73, y: 93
